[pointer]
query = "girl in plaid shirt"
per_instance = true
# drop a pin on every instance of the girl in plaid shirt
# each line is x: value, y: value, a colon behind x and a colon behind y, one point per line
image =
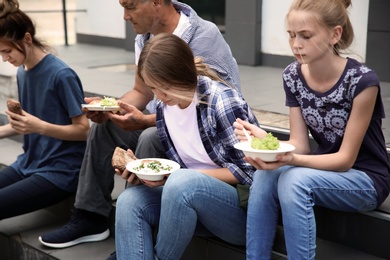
x: 195, y: 116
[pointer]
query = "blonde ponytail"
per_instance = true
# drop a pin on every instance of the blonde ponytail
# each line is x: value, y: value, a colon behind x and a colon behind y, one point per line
x: 204, y: 70
x: 7, y: 7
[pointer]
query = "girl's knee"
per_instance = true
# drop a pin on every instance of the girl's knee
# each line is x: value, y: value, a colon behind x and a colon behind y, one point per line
x: 124, y: 198
x: 181, y: 181
x: 131, y: 197
x: 295, y: 176
x: 182, y: 178
x: 264, y: 181
x: 294, y: 182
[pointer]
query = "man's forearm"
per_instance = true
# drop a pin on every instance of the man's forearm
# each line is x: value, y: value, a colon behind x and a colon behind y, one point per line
x: 150, y: 120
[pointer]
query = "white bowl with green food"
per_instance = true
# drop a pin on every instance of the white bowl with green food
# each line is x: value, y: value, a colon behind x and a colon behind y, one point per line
x: 265, y: 149
x: 152, y: 169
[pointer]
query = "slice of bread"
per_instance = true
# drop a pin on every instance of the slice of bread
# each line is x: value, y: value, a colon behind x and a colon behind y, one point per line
x: 14, y: 106
x: 121, y: 158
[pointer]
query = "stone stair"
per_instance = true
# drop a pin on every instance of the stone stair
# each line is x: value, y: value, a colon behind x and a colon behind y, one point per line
x: 340, y: 235
x: 19, y: 235
x: 344, y: 236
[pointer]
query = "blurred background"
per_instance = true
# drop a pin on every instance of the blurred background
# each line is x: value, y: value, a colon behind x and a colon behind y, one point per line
x: 49, y: 19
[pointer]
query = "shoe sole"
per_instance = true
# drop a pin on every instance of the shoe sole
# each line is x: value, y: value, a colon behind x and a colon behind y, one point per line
x: 85, y: 239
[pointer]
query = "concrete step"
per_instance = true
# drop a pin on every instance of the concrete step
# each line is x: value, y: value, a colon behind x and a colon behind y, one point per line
x: 19, y: 235
x: 342, y: 236
x: 19, y: 240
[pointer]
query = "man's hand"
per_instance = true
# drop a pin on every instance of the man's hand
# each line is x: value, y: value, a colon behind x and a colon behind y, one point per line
x: 95, y: 116
x: 126, y: 175
x: 129, y: 177
x: 130, y: 118
x: 154, y: 184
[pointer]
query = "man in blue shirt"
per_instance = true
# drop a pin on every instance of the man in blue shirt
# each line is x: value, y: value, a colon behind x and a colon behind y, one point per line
x: 134, y: 129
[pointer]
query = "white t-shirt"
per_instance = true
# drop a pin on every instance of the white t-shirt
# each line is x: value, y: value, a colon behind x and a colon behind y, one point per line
x: 183, y: 24
x: 183, y: 129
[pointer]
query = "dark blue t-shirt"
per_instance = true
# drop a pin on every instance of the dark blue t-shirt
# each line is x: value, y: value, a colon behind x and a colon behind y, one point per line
x: 326, y: 116
x: 52, y: 92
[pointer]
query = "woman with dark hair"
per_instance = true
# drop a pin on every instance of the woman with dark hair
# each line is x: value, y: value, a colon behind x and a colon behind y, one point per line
x: 53, y: 126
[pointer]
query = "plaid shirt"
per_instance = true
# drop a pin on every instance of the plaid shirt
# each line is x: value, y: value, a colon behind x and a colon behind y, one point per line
x: 219, y: 107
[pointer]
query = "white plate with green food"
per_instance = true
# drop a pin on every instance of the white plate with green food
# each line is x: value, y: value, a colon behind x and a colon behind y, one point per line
x: 152, y: 169
x: 105, y: 104
x: 265, y: 149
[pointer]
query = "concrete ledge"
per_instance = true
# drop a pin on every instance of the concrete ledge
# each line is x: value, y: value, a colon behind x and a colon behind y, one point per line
x: 8, y: 86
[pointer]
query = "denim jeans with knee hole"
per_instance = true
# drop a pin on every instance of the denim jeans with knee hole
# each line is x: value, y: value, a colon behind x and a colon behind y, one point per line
x: 294, y: 191
x: 189, y: 199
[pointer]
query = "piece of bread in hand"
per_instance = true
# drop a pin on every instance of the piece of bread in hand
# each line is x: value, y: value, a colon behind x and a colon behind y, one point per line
x: 121, y: 158
x: 14, y: 106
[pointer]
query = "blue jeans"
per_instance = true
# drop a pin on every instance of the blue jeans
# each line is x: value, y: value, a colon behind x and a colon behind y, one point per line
x: 294, y: 191
x: 188, y: 201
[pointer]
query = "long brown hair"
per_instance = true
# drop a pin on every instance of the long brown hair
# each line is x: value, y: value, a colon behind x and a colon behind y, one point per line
x: 14, y: 24
x: 169, y: 61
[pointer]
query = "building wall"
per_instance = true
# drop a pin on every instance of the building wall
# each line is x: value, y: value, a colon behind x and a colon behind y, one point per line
x: 378, y: 40
x: 275, y: 38
x: 101, y: 24
x: 244, y: 29
x: 254, y: 29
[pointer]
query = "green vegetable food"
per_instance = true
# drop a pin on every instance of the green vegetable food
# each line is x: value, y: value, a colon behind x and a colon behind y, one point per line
x: 269, y: 142
x: 108, y: 102
x: 152, y: 166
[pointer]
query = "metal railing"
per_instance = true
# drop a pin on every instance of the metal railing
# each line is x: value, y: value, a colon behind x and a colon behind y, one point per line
x: 64, y: 12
